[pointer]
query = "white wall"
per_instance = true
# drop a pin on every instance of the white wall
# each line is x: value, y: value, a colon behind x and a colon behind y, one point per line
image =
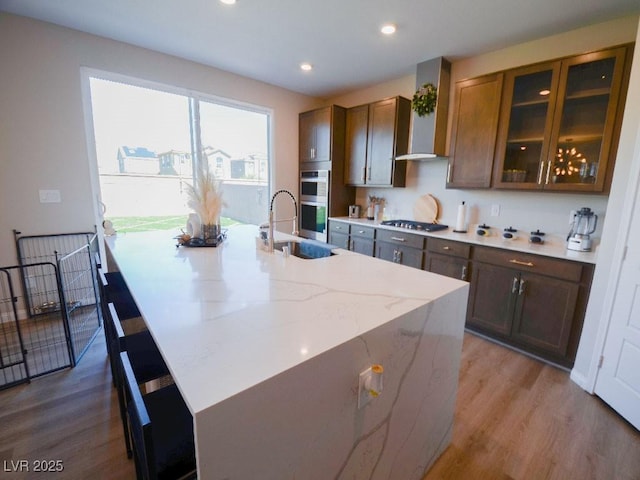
x: 523, y: 210
x: 42, y: 135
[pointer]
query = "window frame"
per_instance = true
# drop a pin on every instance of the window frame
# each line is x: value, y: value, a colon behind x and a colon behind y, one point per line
x: 194, y: 97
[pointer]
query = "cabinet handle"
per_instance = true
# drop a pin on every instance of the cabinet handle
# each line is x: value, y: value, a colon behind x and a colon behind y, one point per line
x: 546, y: 182
x: 514, y: 286
x: 369, y: 175
x: 398, y: 239
x: 338, y: 227
x: 449, y: 168
x: 518, y: 262
x: 540, y: 172
x: 364, y: 173
x: 360, y: 231
x: 446, y: 248
x: 464, y: 273
x: 313, y: 152
x: 521, y: 289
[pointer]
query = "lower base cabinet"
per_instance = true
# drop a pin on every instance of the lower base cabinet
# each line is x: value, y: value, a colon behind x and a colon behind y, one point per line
x: 491, y: 300
x: 531, y: 302
x: 400, y: 247
x: 362, y: 240
x: 339, y: 234
x: 448, y: 258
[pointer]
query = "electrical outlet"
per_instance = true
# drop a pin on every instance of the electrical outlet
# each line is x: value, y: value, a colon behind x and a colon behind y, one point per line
x: 363, y: 392
x: 495, y: 210
x: 50, y: 196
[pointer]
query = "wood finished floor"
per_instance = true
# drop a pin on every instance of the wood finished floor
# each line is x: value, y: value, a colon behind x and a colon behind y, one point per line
x: 516, y: 418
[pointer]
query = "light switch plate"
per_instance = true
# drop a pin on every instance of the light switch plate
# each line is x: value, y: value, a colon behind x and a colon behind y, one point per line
x: 495, y: 210
x: 50, y: 196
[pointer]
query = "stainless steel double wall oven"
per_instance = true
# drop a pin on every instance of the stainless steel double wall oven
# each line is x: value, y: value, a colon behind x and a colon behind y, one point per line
x: 314, y: 203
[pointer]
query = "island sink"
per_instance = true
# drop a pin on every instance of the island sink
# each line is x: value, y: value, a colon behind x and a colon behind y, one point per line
x: 306, y: 250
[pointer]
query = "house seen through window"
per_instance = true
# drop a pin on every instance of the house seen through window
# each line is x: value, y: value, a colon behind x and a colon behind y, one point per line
x: 149, y: 143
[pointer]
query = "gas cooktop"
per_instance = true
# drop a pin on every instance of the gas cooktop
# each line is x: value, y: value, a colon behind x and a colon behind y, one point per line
x: 413, y: 225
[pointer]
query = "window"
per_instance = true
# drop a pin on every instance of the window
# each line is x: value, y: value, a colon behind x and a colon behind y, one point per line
x: 149, y: 143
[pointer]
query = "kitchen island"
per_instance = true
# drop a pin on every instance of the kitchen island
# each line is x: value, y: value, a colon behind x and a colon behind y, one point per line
x: 267, y: 351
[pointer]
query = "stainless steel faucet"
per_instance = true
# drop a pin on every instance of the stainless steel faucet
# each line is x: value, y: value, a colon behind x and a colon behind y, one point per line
x: 272, y: 221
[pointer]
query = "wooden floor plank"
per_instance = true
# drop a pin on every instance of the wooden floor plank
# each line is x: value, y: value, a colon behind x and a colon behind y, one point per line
x: 518, y: 418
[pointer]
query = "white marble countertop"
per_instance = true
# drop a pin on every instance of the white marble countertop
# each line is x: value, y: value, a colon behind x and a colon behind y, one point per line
x: 554, y: 245
x: 230, y: 317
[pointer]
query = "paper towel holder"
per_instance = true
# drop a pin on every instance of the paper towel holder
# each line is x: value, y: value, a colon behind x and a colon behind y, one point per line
x: 461, y: 221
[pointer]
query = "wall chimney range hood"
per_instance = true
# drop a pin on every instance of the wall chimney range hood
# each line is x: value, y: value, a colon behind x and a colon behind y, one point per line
x: 429, y: 133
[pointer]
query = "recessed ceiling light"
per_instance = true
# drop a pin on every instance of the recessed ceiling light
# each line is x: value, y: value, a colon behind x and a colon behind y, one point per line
x: 306, y: 66
x: 228, y: 2
x: 388, y: 29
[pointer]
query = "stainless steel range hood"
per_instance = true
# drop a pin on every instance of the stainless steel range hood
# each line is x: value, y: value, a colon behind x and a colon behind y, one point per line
x: 429, y: 133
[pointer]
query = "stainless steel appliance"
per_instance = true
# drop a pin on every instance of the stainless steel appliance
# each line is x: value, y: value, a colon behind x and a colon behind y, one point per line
x: 583, y: 225
x: 314, y: 204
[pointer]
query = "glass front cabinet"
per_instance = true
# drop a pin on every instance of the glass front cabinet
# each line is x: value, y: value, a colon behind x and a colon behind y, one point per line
x: 558, y: 121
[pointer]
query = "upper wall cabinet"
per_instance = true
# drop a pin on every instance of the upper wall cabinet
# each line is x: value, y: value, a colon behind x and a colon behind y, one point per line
x: 527, y: 117
x: 473, y: 133
x: 321, y: 134
x: 376, y: 133
x: 586, y: 127
x: 559, y: 123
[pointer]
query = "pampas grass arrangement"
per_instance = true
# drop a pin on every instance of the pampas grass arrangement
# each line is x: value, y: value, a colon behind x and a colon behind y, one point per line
x: 205, y: 197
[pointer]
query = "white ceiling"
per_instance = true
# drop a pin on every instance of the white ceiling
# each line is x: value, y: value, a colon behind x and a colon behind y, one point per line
x: 268, y: 39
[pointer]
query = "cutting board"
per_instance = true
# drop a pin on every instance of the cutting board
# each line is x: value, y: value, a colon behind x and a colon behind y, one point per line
x: 426, y: 209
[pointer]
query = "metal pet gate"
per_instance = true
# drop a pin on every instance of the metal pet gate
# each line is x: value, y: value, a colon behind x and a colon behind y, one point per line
x: 49, y: 305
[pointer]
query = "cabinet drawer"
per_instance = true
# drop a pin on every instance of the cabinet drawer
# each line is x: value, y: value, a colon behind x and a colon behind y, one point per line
x: 360, y: 231
x: 338, y: 239
x: 530, y: 263
x: 447, y: 247
x: 338, y: 227
x: 400, y: 238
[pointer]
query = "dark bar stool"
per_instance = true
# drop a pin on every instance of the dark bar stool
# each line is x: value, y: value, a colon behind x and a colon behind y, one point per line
x: 112, y: 289
x: 144, y: 356
x: 161, y: 429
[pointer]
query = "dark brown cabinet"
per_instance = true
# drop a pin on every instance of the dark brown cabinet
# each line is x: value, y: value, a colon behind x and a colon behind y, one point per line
x: 473, y: 132
x: 586, y: 126
x: 559, y: 123
x: 339, y: 234
x: 376, y: 133
x: 400, y: 247
x: 532, y: 302
x: 354, y: 237
x: 321, y: 135
x: 491, y: 299
x: 447, y: 258
x: 526, y: 120
x: 357, y: 134
x: 362, y: 239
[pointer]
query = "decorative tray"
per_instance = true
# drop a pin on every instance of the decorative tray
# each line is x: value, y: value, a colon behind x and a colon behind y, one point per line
x: 200, y: 242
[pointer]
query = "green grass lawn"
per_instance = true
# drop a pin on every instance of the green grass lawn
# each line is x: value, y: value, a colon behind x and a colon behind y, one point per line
x: 144, y: 224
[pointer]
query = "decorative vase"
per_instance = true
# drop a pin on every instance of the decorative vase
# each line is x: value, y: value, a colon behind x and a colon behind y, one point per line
x: 210, y: 233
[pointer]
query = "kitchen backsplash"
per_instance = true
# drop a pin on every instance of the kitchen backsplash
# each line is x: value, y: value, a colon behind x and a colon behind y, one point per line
x: 526, y: 211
